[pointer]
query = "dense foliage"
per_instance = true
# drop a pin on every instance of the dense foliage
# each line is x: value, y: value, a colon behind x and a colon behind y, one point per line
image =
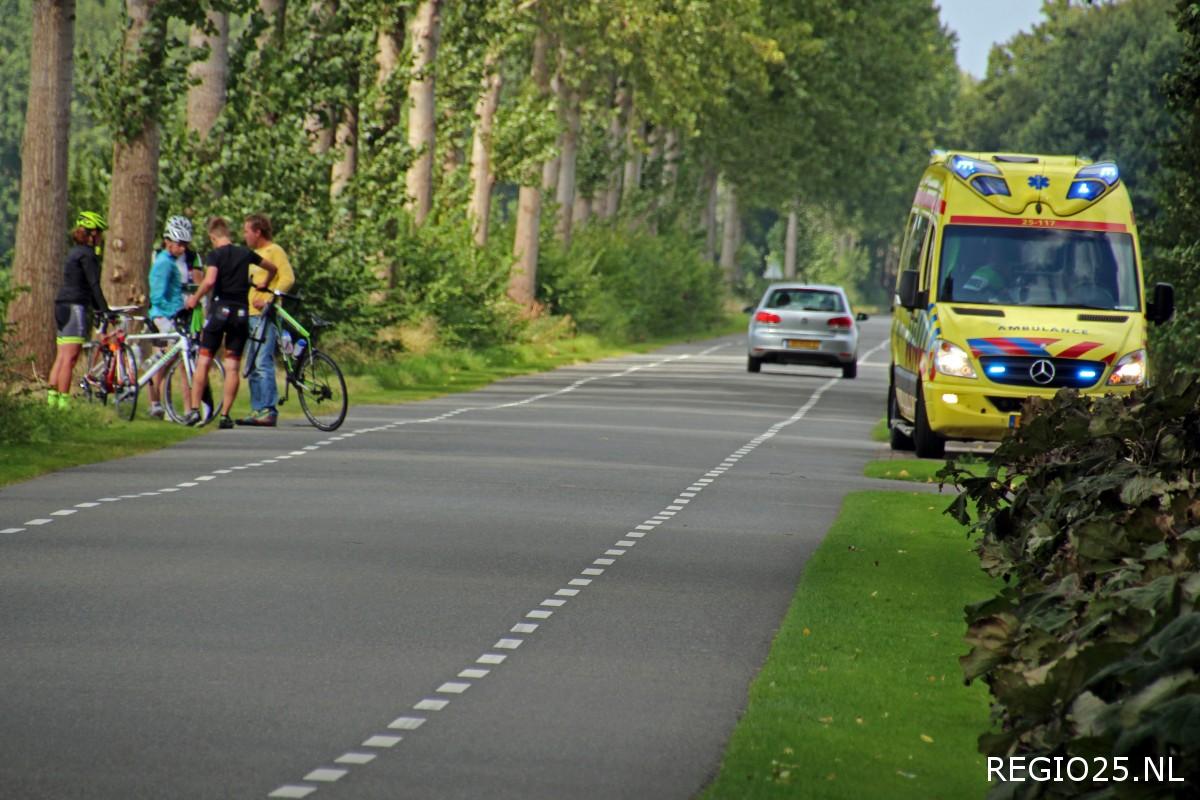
x: 1176, y: 233
x: 777, y: 99
x: 1091, y: 515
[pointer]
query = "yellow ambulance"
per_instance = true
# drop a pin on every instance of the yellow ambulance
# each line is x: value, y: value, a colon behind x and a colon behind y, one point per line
x: 1019, y: 275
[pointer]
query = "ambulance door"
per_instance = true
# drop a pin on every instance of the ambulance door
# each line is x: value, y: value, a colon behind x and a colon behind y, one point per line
x: 909, y: 328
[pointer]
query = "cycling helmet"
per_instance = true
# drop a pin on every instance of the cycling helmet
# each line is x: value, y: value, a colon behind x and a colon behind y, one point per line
x: 179, y: 229
x: 91, y: 220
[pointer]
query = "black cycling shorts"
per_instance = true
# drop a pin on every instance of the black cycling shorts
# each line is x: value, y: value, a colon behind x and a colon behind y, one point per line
x: 227, y: 322
x: 70, y: 319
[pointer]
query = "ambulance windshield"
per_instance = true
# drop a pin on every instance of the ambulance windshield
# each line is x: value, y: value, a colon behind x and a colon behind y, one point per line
x: 1038, y: 267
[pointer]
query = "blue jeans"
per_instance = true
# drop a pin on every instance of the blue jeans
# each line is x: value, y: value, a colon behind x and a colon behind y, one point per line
x: 263, y: 392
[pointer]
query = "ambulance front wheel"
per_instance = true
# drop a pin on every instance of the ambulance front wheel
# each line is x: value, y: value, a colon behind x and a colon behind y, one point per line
x: 928, y: 444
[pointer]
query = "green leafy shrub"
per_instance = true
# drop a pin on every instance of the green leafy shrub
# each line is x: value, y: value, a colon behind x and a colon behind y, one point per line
x: 1091, y: 515
x: 631, y: 286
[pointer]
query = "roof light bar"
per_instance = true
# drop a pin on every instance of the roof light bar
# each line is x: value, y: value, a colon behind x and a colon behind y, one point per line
x: 1106, y: 171
x: 965, y: 167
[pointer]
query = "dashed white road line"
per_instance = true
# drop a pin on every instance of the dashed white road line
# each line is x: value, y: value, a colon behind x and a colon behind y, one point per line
x: 641, y: 530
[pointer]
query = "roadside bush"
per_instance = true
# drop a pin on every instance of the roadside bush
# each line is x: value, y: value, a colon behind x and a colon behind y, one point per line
x: 631, y: 286
x: 1091, y: 515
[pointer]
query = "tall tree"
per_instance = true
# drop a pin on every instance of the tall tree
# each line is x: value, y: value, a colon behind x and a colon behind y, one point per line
x: 275, y: 14
x: 483, y: 177
x: 209, y: 76
x: 40, y: 245
x: 133, y: 198
x: 422, y: 114
x: 522, y: 284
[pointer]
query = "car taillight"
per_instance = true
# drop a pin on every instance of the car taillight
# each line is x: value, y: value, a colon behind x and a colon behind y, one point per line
x: 768, y: 317
x: 841, y: 323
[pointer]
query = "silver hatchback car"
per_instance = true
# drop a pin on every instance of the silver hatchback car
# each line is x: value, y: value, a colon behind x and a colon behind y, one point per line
x: 804, y: 323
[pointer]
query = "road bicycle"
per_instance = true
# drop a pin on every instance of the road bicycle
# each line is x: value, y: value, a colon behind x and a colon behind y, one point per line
x: 112, y: 366
x: 178, y: 361
x: 317, y: 378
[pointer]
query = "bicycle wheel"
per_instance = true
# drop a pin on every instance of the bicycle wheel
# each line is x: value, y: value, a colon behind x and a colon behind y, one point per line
x: 91, y: 383
x: 322, y: 391
x: 125, y: 386
x: 177, y: 391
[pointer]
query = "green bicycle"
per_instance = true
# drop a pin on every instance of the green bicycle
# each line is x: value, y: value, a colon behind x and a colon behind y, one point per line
x: 317, y: 378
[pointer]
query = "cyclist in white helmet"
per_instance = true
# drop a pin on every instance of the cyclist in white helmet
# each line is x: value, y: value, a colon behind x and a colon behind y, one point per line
x: 166, y: 295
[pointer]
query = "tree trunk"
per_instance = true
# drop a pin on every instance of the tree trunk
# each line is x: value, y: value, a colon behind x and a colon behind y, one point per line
x: 206, y: 97
x: 483, y: 178
x: 732, y: 236
x: 133, y: 196
x: 389, y: 50
x: 634, y: 138
x: 670, y: 171
x: 623, y: 105
x: 40, y: 245
x: 346, y: 142
x: 789, y: 246
x: 567, y: 158
x: 583, y: 210
x: 319, y: 124
x: 522, y: 283
x: 708, y: 220
x: 422, y: 122
x: 275, y: 13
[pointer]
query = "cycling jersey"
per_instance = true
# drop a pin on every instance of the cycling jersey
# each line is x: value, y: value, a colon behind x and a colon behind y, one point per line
x: 81, y: 280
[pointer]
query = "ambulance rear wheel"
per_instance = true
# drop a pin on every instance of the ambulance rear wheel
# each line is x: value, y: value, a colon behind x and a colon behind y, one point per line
x: 928, y: 444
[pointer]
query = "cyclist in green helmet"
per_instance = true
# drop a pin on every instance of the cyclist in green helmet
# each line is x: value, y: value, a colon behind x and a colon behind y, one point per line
x: 80, y: 291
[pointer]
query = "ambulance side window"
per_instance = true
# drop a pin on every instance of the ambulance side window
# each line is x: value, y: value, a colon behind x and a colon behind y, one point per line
x: 911, y: 257
x: 927, y: 273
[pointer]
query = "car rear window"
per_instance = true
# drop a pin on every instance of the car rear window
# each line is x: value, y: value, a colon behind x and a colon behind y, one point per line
x: 806, y: 300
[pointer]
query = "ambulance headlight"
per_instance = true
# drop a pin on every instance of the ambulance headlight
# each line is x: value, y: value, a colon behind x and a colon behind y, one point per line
x: 950, y: 359
x: 1130, y: 370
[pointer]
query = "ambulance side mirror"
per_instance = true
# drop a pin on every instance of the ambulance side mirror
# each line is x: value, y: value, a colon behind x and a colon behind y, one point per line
x: 909, y: 291
x: 1162, y: 307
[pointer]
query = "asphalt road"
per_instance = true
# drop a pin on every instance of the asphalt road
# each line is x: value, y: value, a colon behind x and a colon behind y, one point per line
x: 559, y: 586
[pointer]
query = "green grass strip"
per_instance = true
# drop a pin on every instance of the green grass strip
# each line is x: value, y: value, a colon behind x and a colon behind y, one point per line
x: 85, y: 436
x: 862, y: 695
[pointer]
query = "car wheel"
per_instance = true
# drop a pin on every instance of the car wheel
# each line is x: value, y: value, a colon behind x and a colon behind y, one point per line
x: 753, y: 364
x: 928, y: 444
x: 898, y: 439
x: 850, y: 370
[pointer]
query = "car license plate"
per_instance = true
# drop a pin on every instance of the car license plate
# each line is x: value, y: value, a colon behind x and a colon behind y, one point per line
x: 802, y: 344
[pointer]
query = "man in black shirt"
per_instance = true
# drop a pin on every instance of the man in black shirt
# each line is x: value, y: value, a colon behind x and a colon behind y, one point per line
x: 227, y: 268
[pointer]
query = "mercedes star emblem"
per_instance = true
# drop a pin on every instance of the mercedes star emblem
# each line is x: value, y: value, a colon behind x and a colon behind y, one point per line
x: 1042, y: 371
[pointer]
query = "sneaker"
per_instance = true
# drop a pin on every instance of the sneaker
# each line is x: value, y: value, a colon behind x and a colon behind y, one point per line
x: 226, y: 423
x: 192, y: 418
x: 157, y: 411
x: 266, y: 419
x: 252, y: 417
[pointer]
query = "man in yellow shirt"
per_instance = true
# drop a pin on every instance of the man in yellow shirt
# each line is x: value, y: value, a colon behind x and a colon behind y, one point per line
x: 264, y: 394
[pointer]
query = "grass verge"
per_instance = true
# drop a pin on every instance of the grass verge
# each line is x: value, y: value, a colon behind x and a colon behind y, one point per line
x: 83, y: 435
x: 919, y: 470
x: 862, y: 695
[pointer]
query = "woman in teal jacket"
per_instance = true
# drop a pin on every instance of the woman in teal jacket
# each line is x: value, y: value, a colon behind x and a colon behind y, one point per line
x: 166, y: 295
